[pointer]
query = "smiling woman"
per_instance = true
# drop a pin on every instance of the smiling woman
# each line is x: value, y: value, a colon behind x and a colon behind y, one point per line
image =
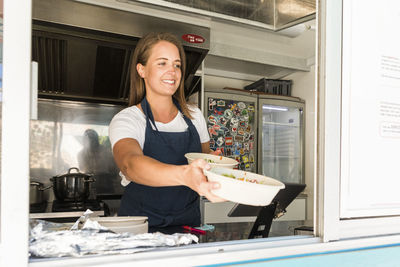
x: 151, y: 137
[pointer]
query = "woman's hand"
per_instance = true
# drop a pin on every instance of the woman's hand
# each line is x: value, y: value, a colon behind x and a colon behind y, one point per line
x: 194, y: 178
x: 217, y: 152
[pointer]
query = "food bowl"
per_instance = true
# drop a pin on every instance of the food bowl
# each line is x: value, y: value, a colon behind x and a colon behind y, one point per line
x: 213, y: 160
x: 122, y: 224
x: 244, y: 187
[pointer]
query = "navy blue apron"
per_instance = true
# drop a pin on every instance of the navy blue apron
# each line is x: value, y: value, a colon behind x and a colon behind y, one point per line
x: 167, y: 205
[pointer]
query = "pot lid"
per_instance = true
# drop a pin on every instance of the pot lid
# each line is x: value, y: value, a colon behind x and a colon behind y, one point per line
x: 36, y: 183
x: 74, y: 171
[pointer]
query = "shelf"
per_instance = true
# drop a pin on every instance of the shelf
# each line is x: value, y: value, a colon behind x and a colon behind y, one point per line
x: 282, y: 124
x: 268, y: 156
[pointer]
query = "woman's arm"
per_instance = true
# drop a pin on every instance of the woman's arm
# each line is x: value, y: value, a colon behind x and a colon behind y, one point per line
x: 205, y: 148
x: 144, y: 170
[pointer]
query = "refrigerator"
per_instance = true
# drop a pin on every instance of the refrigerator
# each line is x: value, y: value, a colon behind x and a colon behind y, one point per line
x: 263, y: 132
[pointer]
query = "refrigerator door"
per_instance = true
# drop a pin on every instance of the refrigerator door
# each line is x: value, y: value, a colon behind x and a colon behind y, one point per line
x: 281, y: 140
x: 232, y: 124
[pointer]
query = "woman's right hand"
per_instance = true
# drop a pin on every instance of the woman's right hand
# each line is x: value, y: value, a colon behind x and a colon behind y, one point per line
x: 195, y: 179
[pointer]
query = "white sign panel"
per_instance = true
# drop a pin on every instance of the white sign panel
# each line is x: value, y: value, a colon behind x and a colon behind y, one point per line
x: 370, y: 177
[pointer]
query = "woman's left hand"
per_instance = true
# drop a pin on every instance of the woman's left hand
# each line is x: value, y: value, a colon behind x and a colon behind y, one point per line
x: 195, y: 179
x: 217, y: 152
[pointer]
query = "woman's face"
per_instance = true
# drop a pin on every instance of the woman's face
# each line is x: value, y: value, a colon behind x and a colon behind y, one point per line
x: 162, y: 73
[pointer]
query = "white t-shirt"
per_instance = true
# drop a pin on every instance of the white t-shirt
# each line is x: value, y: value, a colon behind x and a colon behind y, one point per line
x: 131, y: 123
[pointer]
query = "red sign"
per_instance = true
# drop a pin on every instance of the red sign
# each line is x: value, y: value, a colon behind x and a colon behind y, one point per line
x: 193, y: 38
x: 228, y: 141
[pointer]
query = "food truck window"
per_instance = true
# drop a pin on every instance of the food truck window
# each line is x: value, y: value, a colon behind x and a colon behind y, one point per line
x: 330, y: 144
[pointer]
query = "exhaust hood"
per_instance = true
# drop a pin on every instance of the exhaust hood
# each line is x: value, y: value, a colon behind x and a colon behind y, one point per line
x: 84, y: 50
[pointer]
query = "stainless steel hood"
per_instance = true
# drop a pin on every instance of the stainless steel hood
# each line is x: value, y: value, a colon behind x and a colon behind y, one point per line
x: 84, y: 50
x: 269, y: 14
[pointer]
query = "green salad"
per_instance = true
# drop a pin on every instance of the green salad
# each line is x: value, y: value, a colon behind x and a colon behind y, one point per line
x: 230, y: 175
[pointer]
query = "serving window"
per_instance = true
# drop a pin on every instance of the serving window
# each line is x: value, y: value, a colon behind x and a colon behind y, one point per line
x: 352, y: 116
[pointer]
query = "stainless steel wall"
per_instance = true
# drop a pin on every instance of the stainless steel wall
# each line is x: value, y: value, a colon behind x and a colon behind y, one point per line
x: 73, y: 134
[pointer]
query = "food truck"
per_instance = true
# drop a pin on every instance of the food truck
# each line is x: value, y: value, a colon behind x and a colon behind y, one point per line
x: 342, y: 58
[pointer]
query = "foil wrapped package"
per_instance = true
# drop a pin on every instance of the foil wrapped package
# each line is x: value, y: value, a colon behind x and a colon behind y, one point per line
x: 49, y: 239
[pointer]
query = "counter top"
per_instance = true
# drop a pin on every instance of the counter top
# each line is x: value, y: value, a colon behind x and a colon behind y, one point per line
x: 69, y: 214
x: 222, y: 231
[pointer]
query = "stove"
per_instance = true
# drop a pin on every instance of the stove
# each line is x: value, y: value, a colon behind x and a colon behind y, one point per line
x: 66, y: 206
x: 63, y: 211
x: 38, y: 207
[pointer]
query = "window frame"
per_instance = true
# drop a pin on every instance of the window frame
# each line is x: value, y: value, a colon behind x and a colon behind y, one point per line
x: 327, y: 223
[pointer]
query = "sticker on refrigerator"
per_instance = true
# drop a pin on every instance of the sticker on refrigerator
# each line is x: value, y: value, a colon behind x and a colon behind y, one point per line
x: 216, y: 127
x: 228, y: 151
x: 212, y: 143
x: 226, y: 130
x: 236, y: 111
x: 222, y: 120
x: 241, y: 105
x: 211, y: 104
x: 212, y: 132
x: 241, y: 131
x: 228, y: 140
x: 221, y: 103
x: 228, y: 114
x: 244, y: 112
x: 246, y: 146
x: 239, y: 138
x: 250, y: 108
x: 234, y: 122
x: 251, y: 158
x: 251, y: 145
x: 212, y: 119
x: 233, y: 130
x: 220, y: 141
x: 217, y: 111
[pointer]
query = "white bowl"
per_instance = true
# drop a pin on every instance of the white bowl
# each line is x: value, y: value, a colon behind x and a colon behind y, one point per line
x: 244, y: 192
x: 122, y: 224
x: 213, y: 160
x: 134, y: 229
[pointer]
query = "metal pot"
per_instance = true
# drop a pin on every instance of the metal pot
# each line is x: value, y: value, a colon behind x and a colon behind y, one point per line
x: 73, y: 186
x: 36, y: 192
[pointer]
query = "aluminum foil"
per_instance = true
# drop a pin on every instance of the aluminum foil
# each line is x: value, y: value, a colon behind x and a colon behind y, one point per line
x: 49, y: 239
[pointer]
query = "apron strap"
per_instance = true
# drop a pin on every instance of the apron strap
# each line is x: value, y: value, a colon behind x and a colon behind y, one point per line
x: 149, y: 114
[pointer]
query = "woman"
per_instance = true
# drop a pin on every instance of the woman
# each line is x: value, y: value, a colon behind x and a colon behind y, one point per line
x: 151, y: 137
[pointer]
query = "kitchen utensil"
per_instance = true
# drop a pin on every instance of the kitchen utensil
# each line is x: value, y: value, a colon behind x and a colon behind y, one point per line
x: 36, y: 192
x: 193, y: 230
x: 213, y: 160
x: 73, y: 186
x: 244, y: 187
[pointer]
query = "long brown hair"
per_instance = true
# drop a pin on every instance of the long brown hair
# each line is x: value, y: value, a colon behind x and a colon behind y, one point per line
x: 141, y: 55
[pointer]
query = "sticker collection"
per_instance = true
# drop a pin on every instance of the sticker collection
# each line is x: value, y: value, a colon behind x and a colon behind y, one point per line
x: 231, y: 127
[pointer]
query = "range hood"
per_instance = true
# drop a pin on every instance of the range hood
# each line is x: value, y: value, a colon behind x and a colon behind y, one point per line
x: 84, y: 50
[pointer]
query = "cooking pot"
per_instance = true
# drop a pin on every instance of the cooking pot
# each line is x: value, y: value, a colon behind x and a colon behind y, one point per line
x: 73, y: 186
x: 36, y: 192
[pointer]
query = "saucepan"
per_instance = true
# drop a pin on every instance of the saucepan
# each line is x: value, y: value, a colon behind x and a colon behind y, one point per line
x: 72, y: 186
x: 36, y: 192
